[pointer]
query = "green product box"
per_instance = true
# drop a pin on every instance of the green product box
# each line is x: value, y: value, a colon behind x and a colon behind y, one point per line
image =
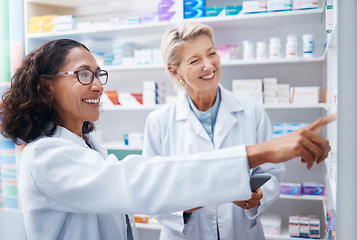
x: 122, y: 153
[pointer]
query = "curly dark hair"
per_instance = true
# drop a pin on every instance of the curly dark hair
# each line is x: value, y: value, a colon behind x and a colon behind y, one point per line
x: 26, y: 111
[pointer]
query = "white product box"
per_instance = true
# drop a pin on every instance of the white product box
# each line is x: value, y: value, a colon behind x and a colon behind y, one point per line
x: 314, y: 227
x: 284, y: 88
x: 270, y: 81
x: 304, y: 4
x: 305, y: 95
x: 304, y: 226
x: 271, y: 224
x: 294, y: 229
x: 279, y: 5
x: 254, y: 7
x: 249, y: 87
x: 126, y: 99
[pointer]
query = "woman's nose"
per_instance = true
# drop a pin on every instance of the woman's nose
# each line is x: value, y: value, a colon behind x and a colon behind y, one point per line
x: 207, y: 64
x: 97, y: 85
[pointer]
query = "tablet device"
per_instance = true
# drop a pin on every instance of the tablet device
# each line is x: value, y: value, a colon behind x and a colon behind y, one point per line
x: 257, y: 180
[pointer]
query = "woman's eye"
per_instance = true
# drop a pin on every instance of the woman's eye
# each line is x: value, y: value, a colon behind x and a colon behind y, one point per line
x: 194, y: 61
x: 213, y: 53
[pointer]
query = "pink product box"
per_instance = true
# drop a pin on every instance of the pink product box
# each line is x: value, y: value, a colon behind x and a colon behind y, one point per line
x: 290, y: 188
x: 313, y: 188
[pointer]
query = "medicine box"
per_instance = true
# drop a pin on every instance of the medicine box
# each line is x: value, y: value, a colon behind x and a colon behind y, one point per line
x: 304, y: 4
x: 290, y: 188
x: 313, y: 188
x: 250, y: 7
x: 194, y: 8
x: 233, y: 10
x: 214, y: 11
x: 294, y: 227
x: 279, y: 5
x: 249, y: 87
x: 305, y: 95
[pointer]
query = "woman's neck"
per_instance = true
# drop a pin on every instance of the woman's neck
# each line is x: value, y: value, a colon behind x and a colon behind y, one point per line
x: 203, y: 101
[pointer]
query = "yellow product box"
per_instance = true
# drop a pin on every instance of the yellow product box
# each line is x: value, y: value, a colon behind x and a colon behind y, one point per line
x: 51, y: 23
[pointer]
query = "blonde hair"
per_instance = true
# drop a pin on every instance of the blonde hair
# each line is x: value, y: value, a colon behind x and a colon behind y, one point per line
x: 174, y: 38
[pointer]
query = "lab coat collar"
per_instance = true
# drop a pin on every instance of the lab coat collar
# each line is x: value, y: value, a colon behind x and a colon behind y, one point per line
x: 64, y: 133
x: 225, y: 118
x: 228, y: 99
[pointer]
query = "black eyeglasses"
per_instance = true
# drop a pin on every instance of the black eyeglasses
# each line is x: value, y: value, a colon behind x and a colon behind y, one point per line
x: 86, y: 76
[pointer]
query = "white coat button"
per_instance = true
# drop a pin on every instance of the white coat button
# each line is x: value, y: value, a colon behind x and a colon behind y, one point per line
x: 211, y: 216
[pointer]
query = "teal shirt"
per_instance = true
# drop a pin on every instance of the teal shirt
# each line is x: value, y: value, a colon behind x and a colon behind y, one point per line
x: 207, y: 118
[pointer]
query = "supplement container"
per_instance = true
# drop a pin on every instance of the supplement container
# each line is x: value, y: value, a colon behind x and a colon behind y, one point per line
x: 292, y: 46
x: 261, y: 50
x: 248, y: 50
x: 274, y: 48
x: 308, y: 45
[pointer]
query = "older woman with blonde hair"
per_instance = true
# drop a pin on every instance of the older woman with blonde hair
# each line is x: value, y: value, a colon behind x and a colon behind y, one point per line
x: 206, y: 117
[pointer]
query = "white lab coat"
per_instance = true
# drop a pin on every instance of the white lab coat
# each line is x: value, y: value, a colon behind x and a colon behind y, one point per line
x: 174, y: 129
x: 70, y: 191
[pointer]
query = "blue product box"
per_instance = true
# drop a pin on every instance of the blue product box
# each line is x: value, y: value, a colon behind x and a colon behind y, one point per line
x: 233, y: 10
x: 213, y: 11
x: 194, y: 8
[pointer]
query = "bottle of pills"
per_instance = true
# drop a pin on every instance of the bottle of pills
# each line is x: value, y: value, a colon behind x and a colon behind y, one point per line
x: 292, y: 46
x: 308, y: 42
x: 274, y: 48
x: 248, y: 52
x: 261, y: 50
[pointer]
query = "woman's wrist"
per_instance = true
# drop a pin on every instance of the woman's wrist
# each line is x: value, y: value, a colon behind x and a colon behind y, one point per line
x: 258, y: 154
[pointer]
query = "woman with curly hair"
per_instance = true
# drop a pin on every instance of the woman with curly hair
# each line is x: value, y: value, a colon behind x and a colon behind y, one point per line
x: 72, y: 189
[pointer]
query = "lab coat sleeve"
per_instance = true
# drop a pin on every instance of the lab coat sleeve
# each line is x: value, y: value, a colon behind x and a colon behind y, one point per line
x: 152, y: 147
x: 270, y: 189
x: 77, y: 179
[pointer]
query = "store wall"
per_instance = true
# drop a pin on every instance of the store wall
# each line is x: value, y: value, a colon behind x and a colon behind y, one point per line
x: 4, y: 41
x: 11, y: 52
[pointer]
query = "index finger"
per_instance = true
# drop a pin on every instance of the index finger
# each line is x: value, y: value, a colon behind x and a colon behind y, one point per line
x: 320, y: 123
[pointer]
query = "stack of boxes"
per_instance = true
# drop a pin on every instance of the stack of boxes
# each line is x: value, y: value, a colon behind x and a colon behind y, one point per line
x: 123, y: 53
x: 153, y: 93
x: 51, y: 23
x: 274, y: 92
x: 10, y: 154
x: 331, y: 224
x: 304, y: 226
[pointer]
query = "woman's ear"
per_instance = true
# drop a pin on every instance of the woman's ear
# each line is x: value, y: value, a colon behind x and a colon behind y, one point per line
x: 45, y: 85
x: 171, y: 69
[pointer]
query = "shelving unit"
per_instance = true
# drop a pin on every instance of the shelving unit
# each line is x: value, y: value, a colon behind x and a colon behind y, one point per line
x: 117, y: 120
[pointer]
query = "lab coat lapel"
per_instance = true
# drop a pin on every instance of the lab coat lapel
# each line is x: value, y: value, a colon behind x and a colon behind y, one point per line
x: 184, y: 113
x: 226, y: 119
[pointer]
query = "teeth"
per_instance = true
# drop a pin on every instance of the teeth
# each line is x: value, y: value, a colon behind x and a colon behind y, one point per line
x: 91, y: 100
x: 209, y: 76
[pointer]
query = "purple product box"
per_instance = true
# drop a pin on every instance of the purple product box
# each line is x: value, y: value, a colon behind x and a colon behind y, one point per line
x: 166, y: 16
x: 290, y: 188
x: 313, y: 188
x: 165, y: 6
